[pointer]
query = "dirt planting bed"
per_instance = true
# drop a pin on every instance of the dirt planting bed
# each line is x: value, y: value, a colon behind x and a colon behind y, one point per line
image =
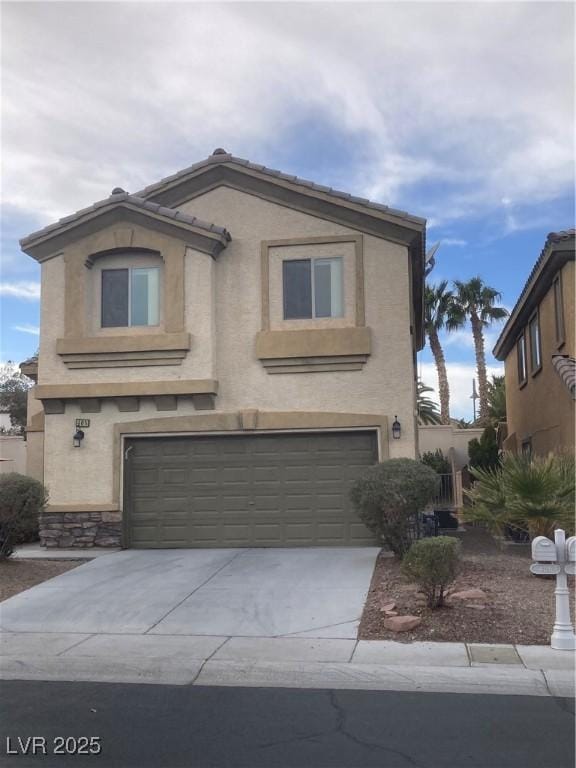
x: 17, y: 575
x: 518, y: 607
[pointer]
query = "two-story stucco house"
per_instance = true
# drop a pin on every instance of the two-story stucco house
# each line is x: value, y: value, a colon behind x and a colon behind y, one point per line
x: 538, y: 348
x: 237, y: 344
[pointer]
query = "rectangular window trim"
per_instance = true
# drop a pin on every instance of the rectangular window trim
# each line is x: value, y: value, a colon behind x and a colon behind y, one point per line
x: 535, y: 344
x: 521, y: 355
x: 337, y: 300
x: 131, y: 271
x: 559, y: 310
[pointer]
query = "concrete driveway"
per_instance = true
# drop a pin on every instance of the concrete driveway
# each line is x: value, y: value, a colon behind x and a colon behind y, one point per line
x: 315, y: 593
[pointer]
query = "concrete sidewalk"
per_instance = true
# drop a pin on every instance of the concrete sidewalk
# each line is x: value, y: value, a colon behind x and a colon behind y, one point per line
x: 287, y: 662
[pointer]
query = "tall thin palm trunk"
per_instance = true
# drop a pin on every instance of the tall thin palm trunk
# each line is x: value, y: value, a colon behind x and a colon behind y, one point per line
x: 478, y: 335
x: 443, y: 388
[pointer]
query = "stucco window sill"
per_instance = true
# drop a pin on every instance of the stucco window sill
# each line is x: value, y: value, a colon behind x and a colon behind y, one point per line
x: 122, y: 351
x: 313, y: 350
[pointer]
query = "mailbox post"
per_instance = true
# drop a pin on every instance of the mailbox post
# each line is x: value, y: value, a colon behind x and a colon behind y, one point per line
x: 558, y: 558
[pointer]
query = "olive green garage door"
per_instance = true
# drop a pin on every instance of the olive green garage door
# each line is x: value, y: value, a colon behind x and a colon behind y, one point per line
x: 266, y: 490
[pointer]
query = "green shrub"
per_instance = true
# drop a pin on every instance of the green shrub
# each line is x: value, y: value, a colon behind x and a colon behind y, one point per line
x: 433, y: 565
x: 389, y: 496
x: 534, y: 495
x: 21, y: 500
x: 437, y: 461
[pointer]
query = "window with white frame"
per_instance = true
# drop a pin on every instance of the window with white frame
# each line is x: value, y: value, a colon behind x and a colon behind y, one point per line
x: 521, y: 354
x: 312, y: 288
x: 130, y: 297
x: 535, y: 343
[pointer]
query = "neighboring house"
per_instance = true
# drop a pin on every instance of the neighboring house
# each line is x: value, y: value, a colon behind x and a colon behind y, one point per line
x: 12, y: 454
x: 236, y: 375
x: 538, y: 347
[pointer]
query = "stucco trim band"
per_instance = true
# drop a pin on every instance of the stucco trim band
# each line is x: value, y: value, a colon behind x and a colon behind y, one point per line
x: 134, y: 343
x: 52, y: 509
x: 115, y: 351
x: 126, y: 389
x: 313, y: 343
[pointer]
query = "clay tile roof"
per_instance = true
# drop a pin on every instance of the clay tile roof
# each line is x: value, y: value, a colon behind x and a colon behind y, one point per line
x: 221, y: 156
x: 119, y: 196
x: 565, y: 367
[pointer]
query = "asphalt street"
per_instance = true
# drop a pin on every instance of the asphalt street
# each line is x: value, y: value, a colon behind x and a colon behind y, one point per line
x: 164, y: 726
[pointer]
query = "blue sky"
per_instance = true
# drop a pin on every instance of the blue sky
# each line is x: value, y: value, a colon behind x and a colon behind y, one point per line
x: 461, y: 113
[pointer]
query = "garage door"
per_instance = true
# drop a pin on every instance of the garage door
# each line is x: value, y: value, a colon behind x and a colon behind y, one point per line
x: 268, y: 490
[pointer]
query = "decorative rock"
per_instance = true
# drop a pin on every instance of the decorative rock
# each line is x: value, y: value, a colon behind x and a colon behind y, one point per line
x: 391, y: 613
x: 388, y: 606
x: 402, y: 623
x: 469, y: 594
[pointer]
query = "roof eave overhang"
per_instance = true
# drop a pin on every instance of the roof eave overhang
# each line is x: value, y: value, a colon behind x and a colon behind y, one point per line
x: 49, y: 244
x: 554, y: 259
x: 409, y: 231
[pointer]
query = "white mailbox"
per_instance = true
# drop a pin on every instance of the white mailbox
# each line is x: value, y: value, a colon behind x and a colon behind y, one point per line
x: 544, y: 550
x: 570, y: 566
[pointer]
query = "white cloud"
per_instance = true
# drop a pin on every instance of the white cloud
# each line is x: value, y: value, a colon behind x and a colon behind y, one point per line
x: 21, y: 290
x: 27, y: 328
x: 460, y: 376
x: 454, y: 242
x: 473, y: 98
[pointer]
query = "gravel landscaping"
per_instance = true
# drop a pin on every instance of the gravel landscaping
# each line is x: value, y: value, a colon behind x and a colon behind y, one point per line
x: 18, y: 575
x: 518, y: 607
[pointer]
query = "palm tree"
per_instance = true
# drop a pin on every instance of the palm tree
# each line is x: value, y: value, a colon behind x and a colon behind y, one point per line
x: 440, y: 311
x: 477, y: 301
x: 427, y: 408
x: 497, y: 400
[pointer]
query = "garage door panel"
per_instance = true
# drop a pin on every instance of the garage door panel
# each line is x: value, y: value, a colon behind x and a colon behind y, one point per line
x: 253, y: 490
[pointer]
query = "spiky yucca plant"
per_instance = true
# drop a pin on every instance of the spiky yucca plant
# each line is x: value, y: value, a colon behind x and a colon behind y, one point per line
x: 535, y: 495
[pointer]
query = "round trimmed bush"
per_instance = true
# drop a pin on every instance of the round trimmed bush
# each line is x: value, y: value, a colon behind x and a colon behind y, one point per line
x: 389, y: 496
x: 21, y: 500
x: 433, y: 565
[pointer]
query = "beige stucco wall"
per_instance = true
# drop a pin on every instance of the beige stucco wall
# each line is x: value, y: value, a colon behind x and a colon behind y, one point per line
x: 542, y: 410
x: 223, y: 314
x: 447, y: 438
x: 13, y: 454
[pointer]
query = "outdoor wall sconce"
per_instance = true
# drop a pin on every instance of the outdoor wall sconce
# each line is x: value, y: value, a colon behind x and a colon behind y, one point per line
x: 77, y: 439
x: 396, y: 428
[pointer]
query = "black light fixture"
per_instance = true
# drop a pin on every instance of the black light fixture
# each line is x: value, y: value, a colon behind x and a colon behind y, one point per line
x: 77, y: 439
x: 396, y: 428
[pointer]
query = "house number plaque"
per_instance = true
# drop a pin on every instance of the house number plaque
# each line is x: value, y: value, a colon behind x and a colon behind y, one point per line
x: 82, y: 423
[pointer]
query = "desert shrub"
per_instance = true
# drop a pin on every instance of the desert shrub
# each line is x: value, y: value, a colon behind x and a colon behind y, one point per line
x: 21, y: 500
x: 389, y: 496
x: 484, y: 453
x: 531, y: 495
x: 433, y: 565
x: 437, y: 461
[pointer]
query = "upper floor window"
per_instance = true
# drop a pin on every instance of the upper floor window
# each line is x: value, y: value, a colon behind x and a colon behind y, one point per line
x: 559, y: 310
x: 535, y: 343
x: 312, y: 288
x: 521, y: 354
x: 130, y: 297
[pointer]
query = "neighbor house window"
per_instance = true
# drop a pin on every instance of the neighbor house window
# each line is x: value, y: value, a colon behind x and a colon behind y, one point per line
x: 130, y: 297
x: 535, y: 343
x: 559, y: 310
x: 521, y: 353
x: 312, y: 288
